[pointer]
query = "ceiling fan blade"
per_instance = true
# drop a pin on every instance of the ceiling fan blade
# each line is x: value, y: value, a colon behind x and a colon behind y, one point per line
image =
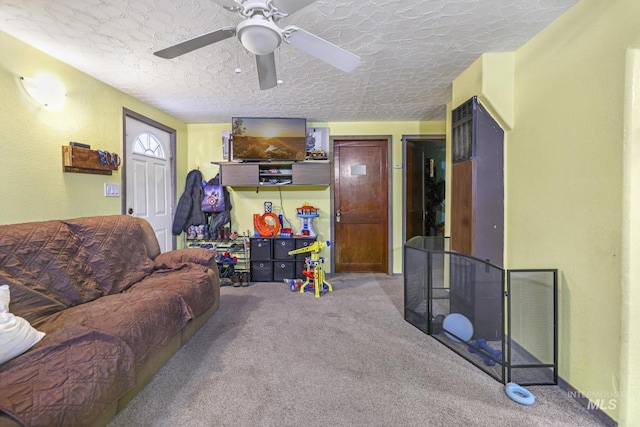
x: 196, y: 43
x: 229, y: 4
x: 267, y: 71
x: 321, y: 49
x: 291, y: 6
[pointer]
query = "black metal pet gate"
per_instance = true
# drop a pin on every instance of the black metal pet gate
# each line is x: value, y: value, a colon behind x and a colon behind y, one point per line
x: 502, y: 321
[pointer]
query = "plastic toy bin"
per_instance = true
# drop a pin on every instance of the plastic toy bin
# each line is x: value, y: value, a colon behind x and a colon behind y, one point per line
x: 261, y: 271
x: 260, y: 248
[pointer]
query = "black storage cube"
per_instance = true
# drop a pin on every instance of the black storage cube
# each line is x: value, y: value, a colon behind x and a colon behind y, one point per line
x: 261, y: 271
x: 303, y: 243
x: 281, y: 248
x: 260, y: 248
x: 283, y: 270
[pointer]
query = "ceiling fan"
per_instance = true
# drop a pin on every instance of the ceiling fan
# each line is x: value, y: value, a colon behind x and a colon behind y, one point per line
x: 260, y: 35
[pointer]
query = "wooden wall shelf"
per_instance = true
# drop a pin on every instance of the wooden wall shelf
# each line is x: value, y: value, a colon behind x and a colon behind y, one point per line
x: 270, y: 174
x: 84, y: 160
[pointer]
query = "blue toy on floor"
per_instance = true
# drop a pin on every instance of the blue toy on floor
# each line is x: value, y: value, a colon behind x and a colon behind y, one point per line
x: 481, y: 344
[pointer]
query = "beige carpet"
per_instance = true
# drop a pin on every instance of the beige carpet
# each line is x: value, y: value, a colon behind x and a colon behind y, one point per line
x: 272, y: 357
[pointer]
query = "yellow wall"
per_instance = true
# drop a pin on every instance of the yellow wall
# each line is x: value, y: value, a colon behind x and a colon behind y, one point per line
x: 630, y: 348
x: 205, y: 146
x: 571, y: 182
x: 564, y: 188
x: 32, y: 184
x: 491, y: 78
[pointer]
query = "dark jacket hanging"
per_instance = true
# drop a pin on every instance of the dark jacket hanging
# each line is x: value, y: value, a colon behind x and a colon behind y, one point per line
x: 189, y: 210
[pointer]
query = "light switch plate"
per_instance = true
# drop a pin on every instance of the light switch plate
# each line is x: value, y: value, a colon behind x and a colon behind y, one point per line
x: 111, y: 190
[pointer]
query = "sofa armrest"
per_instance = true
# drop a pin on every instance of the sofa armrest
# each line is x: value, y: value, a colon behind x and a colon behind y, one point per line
x: 178, y: 257
x: 149, y: 238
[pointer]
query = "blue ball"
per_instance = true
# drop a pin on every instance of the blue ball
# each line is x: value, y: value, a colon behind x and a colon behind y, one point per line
x: 459, y: 325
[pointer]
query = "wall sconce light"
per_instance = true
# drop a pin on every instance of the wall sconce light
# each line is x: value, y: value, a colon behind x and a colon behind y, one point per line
x: 46, y: 89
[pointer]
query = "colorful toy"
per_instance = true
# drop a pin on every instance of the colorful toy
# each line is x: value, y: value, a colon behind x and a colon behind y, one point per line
x: 294, y: 284
x: 481, y: 344
x: 307, y: 214
x: 519, y: 394
x: 315, y: 269
x: 268, y: 224
x: 457, y: 327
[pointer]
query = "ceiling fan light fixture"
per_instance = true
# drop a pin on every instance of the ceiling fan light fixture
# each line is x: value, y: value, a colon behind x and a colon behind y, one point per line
x: 259, y: 36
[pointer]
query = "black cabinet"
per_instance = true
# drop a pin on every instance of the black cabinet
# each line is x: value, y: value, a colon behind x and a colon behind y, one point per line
x: 477, y: 217
x: 270, y: 260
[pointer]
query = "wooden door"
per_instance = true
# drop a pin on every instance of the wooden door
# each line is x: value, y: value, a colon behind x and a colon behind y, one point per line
x: 361, y: 206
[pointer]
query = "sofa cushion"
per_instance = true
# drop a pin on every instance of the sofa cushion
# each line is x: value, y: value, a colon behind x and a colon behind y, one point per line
x: 69, y: 378
x: 46, y: 268
x: 16, y: 334
x: 117, y: 254
x: 145, y: 320
x: 189, y: 283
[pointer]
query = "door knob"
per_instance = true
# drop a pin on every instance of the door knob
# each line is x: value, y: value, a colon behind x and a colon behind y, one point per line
x: 338, y: 215
x: 130, y: 211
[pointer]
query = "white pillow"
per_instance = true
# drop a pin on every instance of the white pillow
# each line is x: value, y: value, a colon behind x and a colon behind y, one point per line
x: 5, y: 297
x: 16, y: 334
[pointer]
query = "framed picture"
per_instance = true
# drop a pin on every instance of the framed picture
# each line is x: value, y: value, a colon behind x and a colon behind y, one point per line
x: 226, y: 144
x: 317, y: 143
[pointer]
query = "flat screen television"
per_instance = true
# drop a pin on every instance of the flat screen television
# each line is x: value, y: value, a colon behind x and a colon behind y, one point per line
x: 256, y: 139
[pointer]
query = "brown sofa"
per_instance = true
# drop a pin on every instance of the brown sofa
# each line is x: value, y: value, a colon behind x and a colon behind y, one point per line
x: 113, y: 308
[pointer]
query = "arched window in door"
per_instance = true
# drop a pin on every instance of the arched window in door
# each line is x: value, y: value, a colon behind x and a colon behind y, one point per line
x: 148, y: 145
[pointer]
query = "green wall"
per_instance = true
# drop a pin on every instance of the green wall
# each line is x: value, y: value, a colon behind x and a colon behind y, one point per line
x: 32, y: 184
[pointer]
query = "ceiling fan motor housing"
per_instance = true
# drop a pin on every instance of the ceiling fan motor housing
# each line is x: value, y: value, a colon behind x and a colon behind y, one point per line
x: 259, y: 35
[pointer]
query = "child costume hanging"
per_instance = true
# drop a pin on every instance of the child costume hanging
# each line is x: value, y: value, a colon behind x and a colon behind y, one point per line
x: 213, y: 200
x: 217, y: 201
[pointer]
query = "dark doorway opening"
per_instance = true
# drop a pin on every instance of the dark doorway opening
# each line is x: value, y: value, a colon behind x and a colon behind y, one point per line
x: 424, y: 186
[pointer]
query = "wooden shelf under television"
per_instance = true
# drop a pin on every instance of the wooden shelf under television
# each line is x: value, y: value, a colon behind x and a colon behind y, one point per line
x: 250, y: 174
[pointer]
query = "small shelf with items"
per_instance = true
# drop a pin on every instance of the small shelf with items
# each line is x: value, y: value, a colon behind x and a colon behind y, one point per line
x: 233, y: 251
x: 230, y: 247
x: 249, y: 174
x: 85, y: 160
x: 275, y: 174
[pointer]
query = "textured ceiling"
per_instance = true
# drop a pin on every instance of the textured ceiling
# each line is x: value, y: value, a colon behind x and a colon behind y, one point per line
x: 411, y: 51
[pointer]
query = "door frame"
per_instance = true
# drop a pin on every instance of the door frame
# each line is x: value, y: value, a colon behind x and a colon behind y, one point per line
x: 422, y: 138
x: 389, y: 139
x: 172, y: 160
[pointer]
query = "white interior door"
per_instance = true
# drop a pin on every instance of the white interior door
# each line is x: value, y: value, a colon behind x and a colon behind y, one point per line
x: 148, y: 177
